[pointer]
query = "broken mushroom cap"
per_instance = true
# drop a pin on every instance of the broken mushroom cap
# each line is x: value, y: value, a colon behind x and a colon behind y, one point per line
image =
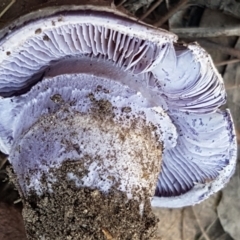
x: 59, y: 62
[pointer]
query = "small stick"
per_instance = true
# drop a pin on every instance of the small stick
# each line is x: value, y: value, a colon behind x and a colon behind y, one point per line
x: 121, y: 3
x: 231, y: 61
x: 170, y: 13
x: 7, y: 7
x: 182, y: 224
x: 227, y: 6
x: 17, y: 201
x: 232, y: 87
x: 206, y: 32
x: 209, y: 44
x: 107, y: 234
x: 200, y: 225
x: 150, y: 10
x: 208, y: 228
x: 224, y: 49
x: 3, y: 160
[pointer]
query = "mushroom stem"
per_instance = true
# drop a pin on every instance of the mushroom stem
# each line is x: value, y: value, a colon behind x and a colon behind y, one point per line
x: 87, y: 165
x: 89, y: 151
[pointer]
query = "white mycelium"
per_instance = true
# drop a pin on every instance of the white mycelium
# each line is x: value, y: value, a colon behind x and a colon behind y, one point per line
x: 176, y: 88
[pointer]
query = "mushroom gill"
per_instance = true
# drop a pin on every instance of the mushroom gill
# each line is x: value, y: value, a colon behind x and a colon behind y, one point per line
x: 90, y: 74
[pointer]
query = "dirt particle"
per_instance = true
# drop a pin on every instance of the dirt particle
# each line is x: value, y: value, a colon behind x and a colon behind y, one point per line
x: 60, y: 19
x: 46, y: 38
x: 57, y: 98
x: 38, y: 31
x: 126, y: 109
x: 107, y: 234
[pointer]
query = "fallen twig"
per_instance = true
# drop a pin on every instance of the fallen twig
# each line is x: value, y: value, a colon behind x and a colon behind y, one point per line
x: 231, y: 61
x: 7, y: 7
x: 203, y: 32
x: 182, y: 224
x: 228, y: 7
x: 3, y: 160
x: 121, y: 3
x: 170, y: 13
x: 200, y: 225
x: 151, y: 9
x: 208, y: 228
x: 17, y: 201
x: 219, y: 47
x: 107, y: 234
x: 224, y: 49
x: 232, y: 87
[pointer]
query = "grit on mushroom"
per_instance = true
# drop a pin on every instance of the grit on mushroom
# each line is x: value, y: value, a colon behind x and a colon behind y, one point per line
x: 102, y: 116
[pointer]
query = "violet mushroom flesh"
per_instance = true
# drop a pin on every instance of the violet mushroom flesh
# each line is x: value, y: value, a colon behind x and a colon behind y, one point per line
x: 114, y: 105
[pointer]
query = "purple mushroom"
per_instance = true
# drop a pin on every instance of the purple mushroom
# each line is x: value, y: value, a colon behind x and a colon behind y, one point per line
x: 138, y: 111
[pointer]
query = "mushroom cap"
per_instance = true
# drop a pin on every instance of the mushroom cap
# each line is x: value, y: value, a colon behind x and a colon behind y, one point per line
x: 180, y: 81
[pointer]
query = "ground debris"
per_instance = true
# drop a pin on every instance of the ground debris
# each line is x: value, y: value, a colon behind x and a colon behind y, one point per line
x: 86, y: 213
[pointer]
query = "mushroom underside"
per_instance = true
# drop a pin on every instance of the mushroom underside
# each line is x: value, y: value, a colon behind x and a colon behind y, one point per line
x: 179, y: 84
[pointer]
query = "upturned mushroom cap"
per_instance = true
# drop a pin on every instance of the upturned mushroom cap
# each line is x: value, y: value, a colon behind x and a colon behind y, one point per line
x: 177, y: 88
